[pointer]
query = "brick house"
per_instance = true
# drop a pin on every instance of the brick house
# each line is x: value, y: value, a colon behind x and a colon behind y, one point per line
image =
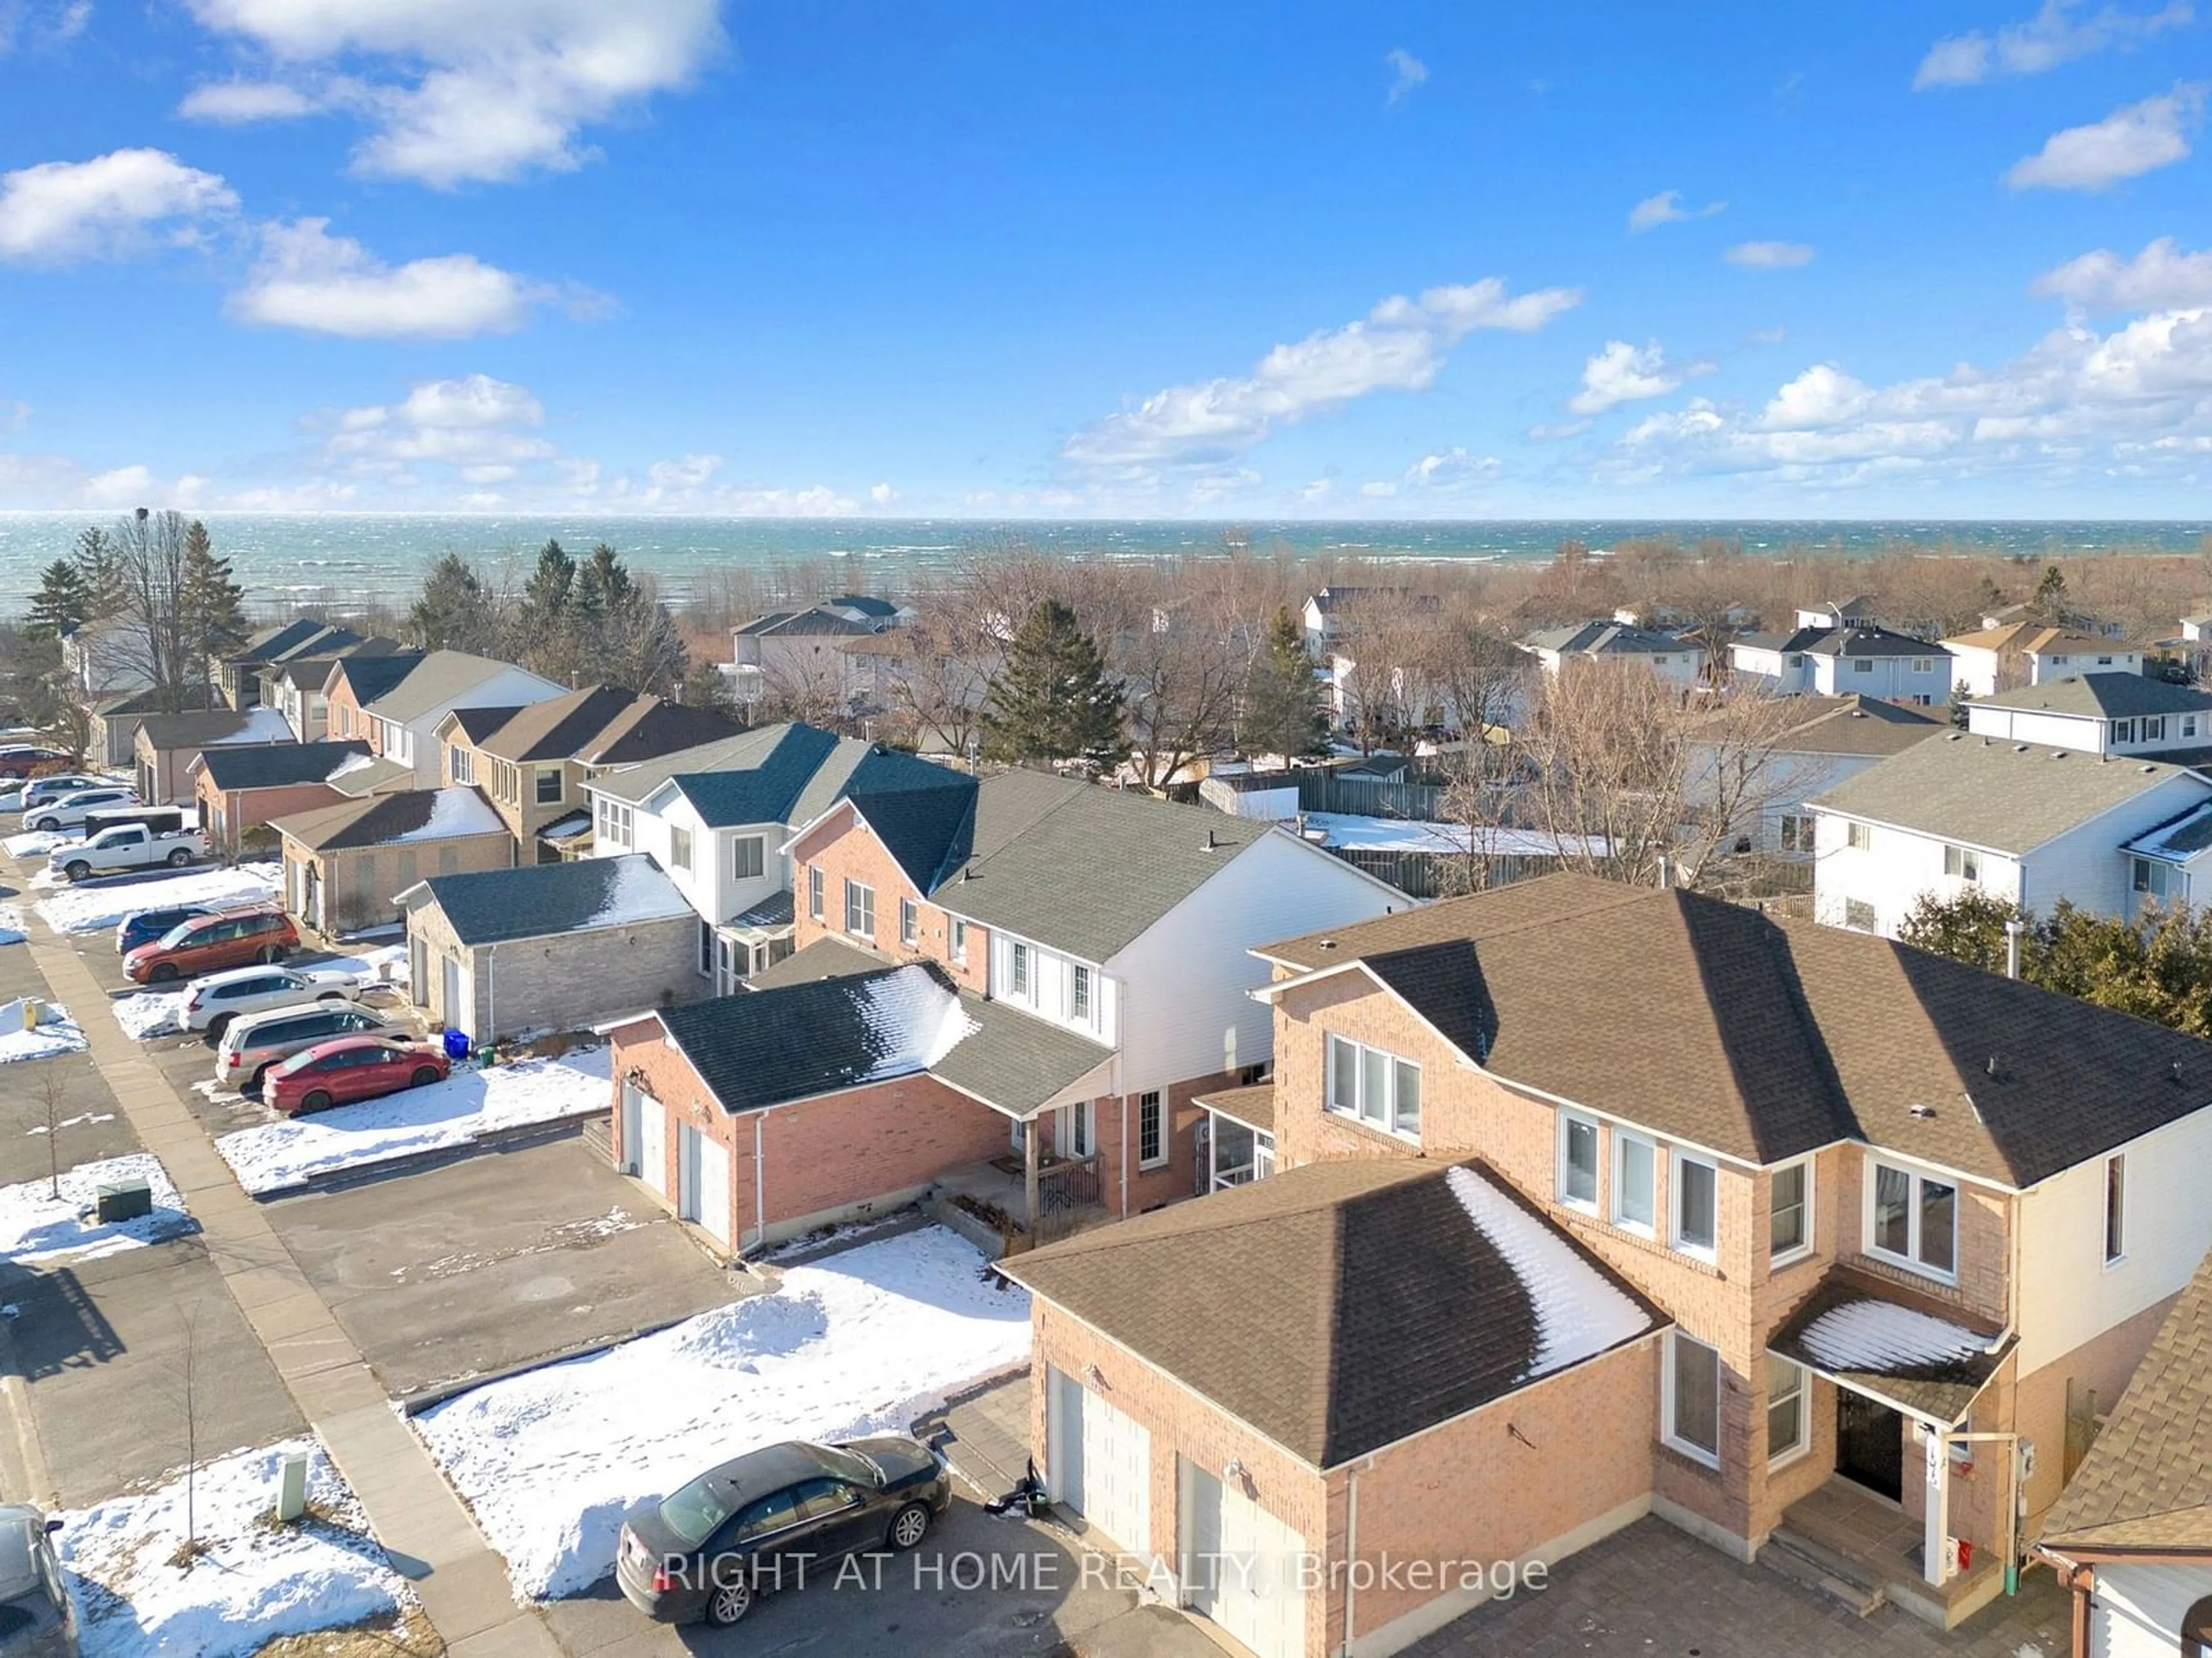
x: 166, y: 744
x: 2132, y: 1536
x: 533, y: 763
x: 344, y: 865
x: 547, y: 946
x: 1868, y: 1186
x: 112, y: 739
x: 241, y: 788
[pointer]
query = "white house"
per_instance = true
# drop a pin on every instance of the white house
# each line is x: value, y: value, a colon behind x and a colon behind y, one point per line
x: 2116, y: 713
x: 1677, y: 661
x: 398, y: 702
x: 2028, y: 653
x: 2024, y: 822
x: 1840, y: 738
x: 1855, y: 659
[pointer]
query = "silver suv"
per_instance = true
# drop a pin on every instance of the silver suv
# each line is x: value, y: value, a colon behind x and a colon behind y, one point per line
x: 255, y: 1042
x: 35, y: 1618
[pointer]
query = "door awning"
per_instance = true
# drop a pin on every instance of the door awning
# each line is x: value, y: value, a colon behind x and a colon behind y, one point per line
x: 1912, y: 1352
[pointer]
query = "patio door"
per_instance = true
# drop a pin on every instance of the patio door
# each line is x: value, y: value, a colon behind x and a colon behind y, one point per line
x: 1869, y: 1444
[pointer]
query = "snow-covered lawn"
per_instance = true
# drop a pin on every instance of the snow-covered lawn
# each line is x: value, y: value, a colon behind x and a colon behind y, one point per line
x: 99, y: 904
x: 54, y: 1033
x: 380, y: 964
x: 11, y: 924
x: 149, y: 1013
x: 466, y: 1106
x: 32, y: 843
x: 257, y: 1581
x: 35, y: 1227
x: 864, y: 1342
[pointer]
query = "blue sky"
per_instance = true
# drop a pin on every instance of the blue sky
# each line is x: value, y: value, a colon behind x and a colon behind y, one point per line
x: 1152, y: 259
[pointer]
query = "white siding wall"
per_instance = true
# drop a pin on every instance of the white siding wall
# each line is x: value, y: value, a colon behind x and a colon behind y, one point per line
x: 1050, y: 973
x: 1973, y: 669
x: 1188, y: 1012
x: 2067, y: 1295
x: 2136, y: 1611
x: 2086, y: 864
x: 510, y: 687
x: 2058, y: 731
x: 1893, y: 871
x: 733, y: 897
x: 1892, y: 678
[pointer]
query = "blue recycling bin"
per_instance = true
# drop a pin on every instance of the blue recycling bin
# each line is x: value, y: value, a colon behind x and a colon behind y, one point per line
x: 457, y: 1045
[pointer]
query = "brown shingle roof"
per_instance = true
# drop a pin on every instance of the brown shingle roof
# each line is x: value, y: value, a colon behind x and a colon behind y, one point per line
x: 2146, y: 1485
x: 1253, y: 1106
x: 1762, y: 1039
x: 1901, y: 1346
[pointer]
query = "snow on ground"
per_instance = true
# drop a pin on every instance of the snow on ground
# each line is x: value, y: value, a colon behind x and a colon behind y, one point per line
x: 467, y: 1105
x: 104, y: 904
x: 151, y: 1013
x: 11, y: 924
x: 365, y: 964
x: 256, y: 1582
x: 34, y: 1226
x: 32, y: 843
x: 54, y: 1033
x: 1404, y: 834
x: 863, y: 1342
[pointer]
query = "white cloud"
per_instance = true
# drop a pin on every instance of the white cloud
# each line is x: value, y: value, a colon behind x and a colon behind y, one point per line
x: 1774, y: 336
x: 1379, y: 489
x: 1316, y: 489
x: 1554, y: 431
x: 307, y: 278
x: 1407, y: 72
x: 484, y: 91
x: 882, y: 494
x: 236, y: 101
x: 1666, y: 208
x: 1768, y: 256
x: 59, y: 212
x: 1624, y: 373
x: 474, y: 422
x: 2127, y: 143
x: 2159, y: 278
x: 41, y: 25
x: 2051, y: 37
x: 1452, y: 469
x: 1400, y: 345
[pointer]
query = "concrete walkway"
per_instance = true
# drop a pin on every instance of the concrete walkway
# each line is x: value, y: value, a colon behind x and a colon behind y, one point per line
x: 413, y: 1512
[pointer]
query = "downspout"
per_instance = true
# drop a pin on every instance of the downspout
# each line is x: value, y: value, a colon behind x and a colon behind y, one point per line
x: 1350, y: 1551
x: 491, y: 995
x: 760, y: 1180
x: 1124, y: 1109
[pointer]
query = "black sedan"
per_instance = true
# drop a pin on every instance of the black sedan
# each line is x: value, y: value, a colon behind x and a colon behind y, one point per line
x: 771, y: 1518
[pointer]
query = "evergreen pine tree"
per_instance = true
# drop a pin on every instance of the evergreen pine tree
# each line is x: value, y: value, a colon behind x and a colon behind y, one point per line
x: 63, y: 602
x: 1282, y: 710
x: 455, y: 611
x: 1052, y: 699
x: 99, y: 560
x: 214, y: 607
x: 546, y: 639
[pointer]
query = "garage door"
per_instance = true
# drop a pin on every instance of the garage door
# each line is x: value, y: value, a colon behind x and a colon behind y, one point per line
x: 653, y: 1146
x: 714, y: 1214
x: 1240, y: 1566
x: 2137, y: 1611
x: 1102, y: 1465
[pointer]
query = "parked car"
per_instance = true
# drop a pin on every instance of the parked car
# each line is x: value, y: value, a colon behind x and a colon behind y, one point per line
x: 219, y: 998
x: 254, y: 1042
x: 714, y: 1545
x: 39, y: 790
x: 35, y: 1618
x: 71, y: 809
x: 127, y: 845
x: 351, y: 1068
x: 207, y: 943
x: 21, y: 759
x: 142, y: 926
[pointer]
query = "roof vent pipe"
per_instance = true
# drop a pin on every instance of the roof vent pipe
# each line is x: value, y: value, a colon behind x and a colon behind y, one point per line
x: 2013, y: 928
x: 1666, y: 873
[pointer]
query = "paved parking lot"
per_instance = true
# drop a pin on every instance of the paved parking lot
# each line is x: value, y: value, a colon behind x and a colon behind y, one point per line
x: 93, y: 1127
x: 473, y: 1267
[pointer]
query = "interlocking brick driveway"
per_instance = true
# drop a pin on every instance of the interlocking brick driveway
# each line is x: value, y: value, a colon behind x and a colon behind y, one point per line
x: 1654, y: 1592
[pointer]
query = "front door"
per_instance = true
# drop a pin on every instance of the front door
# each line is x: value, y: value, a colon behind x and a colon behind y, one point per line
x: 1869, y: 1444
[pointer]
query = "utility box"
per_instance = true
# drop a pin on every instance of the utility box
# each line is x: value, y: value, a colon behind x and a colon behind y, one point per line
x: 124, y: 1199
x: 292, y: 1487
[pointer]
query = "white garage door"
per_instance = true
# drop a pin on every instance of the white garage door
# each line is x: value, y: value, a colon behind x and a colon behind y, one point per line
x: 2137, y: 1611
x: 653, y: 1146
x: 714, y: 1189
x: 1102, y: 1465
x: 1241, y: 1566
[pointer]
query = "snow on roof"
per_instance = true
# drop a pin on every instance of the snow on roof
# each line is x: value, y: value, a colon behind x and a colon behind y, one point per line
x: 1406, y: 835
x: 1578, y: 1313
x: 1880, y: 1337
x: 455, y: 812
x: 915, y: 1017
x: 639, y: 892
x: 352, y: 763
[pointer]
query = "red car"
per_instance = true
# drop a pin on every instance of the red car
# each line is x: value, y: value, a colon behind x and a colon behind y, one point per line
x: 351, y: 1068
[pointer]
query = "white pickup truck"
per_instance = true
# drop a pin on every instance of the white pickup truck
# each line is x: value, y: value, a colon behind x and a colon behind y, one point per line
x: 127, y: 845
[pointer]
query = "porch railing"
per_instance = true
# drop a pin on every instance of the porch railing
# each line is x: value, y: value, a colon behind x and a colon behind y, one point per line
x: 1064, y: 1191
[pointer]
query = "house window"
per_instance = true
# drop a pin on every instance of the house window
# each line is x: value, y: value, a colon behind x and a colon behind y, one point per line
x: 814, y: 891
x: 1697, y: 1205
x: 1913, y: 1220
x: 2116, y: 1207
x: 1964, y: 862
x: 1796, y: 833
x: 1635, y: 1175
x: 1691, y: 1406
x: 1858, y: 915
x: 2188, y: 724
x: 462, y: 763
x: 1577, y: 1161
x: 1796, y: 661
x: 1785, y: 1410
x: 2124, y: 731
x: 1379, y: 1089
x: 909, y: 921
x: 2153, y: 729
x: 705, y: 949
x: 2058, y: 661
x: 1151, y: 1131
x: 548, y: 785
x: 679, y: 847
x: 748, y: 857
x: 2104, y: 661
x: 1017, y: 970
x: 1079, y: 994
x: 1923, y: 664
x: 1790, y: 1213
x: 860, y: 909
x: 1861, y: 665
x: 2151, y: 878
x: 960, y: 941
x: 612, y: 822
x: 1858, y: 837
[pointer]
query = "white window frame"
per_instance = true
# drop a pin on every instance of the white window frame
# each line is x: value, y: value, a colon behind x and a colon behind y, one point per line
x: 1622, y: 1140
x: 1963, y: 862
x: 1569, y: 1120
x: 2150, y: 877
x: 1801, y: 1392
x: 679, y: 847
x: 1923, y: 664
x: 1872, y: 921
x: 757, y: 847
x: 462, y: 763
x: 816, y: 899
x: 959, y: 942
x: 1859, y: 837
x: 1914, y: 1203
x: 549, y: 774
x: 859, y: 908
x: 909, y: 920
x: 1803, y: 1167
x: 1021, y: 971
x: 1082, y: 994
x: 1676, y: 1341
x: 1795, y: 831
x: 1380, y: 1114
x: 1677, y: 1161
x: 2151, y: 729
x: 2124, y: 731
x: 1151, y: 1103
x: 2116, y: 1209
x: 2188, y: 724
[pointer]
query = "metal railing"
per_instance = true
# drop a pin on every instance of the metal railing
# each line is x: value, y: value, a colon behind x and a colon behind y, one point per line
x: 1064, y: 1191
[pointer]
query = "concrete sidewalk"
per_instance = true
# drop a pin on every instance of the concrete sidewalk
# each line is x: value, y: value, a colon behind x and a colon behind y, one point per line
x: 412, y: 1510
